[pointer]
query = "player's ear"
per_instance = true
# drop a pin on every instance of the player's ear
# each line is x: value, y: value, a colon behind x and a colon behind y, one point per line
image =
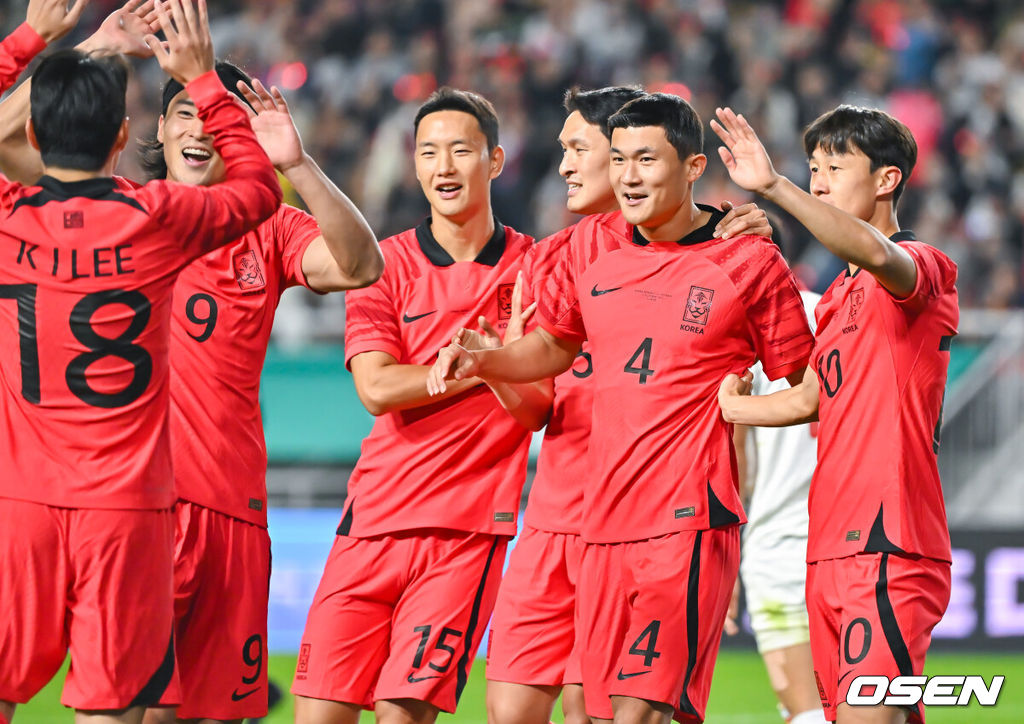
x: 30, y: 133
x: 695, y: 166
x: 121, y: 140
x: 160, y: 129
x: 889, y: 178
x: 497, y: 162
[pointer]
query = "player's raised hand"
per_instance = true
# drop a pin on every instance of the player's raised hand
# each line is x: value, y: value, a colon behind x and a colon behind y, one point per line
x: 735, y: 386
x: 745, y: 219
x: 52, y: 19
x: 743, y: 153
x: 518, y: 317
x: 124, y: 31
x: 454, y: 362
x: 188, y: 51
x: 273, y: 125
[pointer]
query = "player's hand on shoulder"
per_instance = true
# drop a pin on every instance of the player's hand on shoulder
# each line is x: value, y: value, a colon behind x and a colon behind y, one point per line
x: 743, y: 154
x: 53, y: 19
x: 734, y: 386
x: 188, y: 51
x: 124, y: 31
x: 744, y: 219
x: 273, y: 125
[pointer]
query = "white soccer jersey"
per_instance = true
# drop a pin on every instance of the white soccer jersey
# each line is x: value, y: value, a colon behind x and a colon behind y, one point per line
x: 784, y: 459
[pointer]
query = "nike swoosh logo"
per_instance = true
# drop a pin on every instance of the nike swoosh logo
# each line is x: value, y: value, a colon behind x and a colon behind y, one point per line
x: 840, y: 681
x: 407, y: 319
x: 416, y: 679
x: 595, y: 292
x: 235, y: 696
x: 622, y: 677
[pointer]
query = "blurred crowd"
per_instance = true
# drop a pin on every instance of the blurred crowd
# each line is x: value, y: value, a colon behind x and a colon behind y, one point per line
x: 355, y: 71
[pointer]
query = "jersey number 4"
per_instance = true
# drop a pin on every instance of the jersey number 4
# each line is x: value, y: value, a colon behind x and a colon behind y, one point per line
x: 80, y: 322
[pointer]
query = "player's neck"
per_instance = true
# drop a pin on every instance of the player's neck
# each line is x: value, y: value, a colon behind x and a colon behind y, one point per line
x: 70, y: 175
x: 463, y: 240
x: 685, y: 220
x: 884, y: 219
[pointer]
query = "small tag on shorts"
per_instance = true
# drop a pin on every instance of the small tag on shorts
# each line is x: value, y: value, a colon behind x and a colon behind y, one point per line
x: 255, y: 503
x: 852, y: 535
x: 689, y: 512
x: 504, y: 517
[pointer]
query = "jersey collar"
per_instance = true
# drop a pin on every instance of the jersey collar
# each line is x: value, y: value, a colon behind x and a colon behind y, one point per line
x: 697, y: 236
x: 92, y: 188
x: 490, y: 255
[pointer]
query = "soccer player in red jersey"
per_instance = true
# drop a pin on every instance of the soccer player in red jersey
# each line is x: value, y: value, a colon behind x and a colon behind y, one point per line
x: 878, y: 551
x: 665, y: 306
x: 411, y: 580
x: 531, y: 655
x: 86, y: 487
x: 222, y: 314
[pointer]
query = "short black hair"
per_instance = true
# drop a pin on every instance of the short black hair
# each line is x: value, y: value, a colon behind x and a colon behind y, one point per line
x: 77, y: 106
x: 597, y: 106
x: 151, y: 151
x: 883, y: 139
x: 681, y: 123
x: 453, y: 99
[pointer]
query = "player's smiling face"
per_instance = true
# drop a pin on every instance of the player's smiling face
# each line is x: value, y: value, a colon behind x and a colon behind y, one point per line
x: 846, y: 181
x: 188, y: 150
x: 453, y: 165
x: 651, y: 183
x: 585, y: 166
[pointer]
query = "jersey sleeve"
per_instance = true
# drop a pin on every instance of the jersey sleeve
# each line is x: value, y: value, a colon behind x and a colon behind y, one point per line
x: 936, y: 275
x: 294, y: 231
x: 775, y: 313
x: 205, y: 218
x: 558, y: 304
x: 371, y: 318
x: 16, y: 51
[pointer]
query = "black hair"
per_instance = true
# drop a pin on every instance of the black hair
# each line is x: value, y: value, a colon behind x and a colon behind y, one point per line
x: 452, y: 99
x: 597, y: 106
x: 681, y: 123
x: 77, y: 108
x: 883, y: 139
x: 151, y: 151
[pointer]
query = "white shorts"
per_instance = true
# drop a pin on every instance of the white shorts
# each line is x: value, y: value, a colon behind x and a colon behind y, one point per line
x: 774, y: 577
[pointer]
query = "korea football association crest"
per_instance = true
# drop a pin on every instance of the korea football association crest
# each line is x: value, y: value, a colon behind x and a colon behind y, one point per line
x: 247, y: 271
x: 698, y: 307
x: 505, y: 301
x: 856, y: 302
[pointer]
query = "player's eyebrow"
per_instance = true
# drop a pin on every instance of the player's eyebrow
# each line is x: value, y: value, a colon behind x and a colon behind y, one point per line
x: 638, y: 152
x: 574, y: 141
x: 456, y: 142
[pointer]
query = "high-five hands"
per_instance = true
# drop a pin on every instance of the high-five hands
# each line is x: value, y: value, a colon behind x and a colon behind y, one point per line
x: 188, y: 51
x: 273, y: 125
x: 124, y: 30
x: 53, y: 19
x: 743, y: 154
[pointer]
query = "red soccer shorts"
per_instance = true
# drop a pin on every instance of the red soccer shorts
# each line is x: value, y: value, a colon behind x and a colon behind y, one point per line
x: 533, y: 629
x: 221, y: 585
x: 399, y: 617
x: 872, y: 614
x: 650, y: 617
x: 97, y: 582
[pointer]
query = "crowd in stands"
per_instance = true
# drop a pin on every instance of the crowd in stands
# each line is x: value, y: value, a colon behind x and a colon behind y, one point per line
x: 356, y: 70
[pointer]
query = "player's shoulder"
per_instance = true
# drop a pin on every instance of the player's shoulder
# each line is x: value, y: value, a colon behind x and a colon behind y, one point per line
x: 516, y: 242
x: 925, y: 252
x: 554, y: 241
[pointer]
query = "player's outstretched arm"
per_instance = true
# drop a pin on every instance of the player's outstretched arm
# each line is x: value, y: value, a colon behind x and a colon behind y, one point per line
x: 346, y: 255
x: 121, y: 32
x: 797, y: 405
x: 384, y: 385
x: 847, y: 237
x: 537, y: 356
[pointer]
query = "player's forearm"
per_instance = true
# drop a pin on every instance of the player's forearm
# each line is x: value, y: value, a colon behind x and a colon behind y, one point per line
x: 529, y: 403
x: 16, y: 51
x: 779, y: 409
x: 536, y: 356
x: 393, y: 387
x: 353, y: 257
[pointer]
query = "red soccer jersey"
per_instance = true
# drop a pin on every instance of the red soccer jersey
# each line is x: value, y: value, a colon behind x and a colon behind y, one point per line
x: 666, y: 322
x: 881, y: 365
x: 85, y: 296
x: 556, y: 497
x: 223, y: 310
x: 459, y: 463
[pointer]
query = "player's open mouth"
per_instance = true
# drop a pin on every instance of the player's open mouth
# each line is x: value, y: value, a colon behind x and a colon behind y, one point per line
x: 634, y: 199
x: 195, y: 156
x: 574, y: 188
x: 448, y: 191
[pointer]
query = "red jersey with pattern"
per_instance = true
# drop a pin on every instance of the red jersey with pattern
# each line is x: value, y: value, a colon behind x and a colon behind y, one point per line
x: 881, y: 365
x: 666, y: 322
x: 459, y: 463
x: 85, y: 300
x: 556, y: 496
x: 221, y: 317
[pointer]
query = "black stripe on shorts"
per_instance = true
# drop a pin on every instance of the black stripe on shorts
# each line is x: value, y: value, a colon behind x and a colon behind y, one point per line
x: 692, y: 629
x: 891, y: 629
x: 474, y: 619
